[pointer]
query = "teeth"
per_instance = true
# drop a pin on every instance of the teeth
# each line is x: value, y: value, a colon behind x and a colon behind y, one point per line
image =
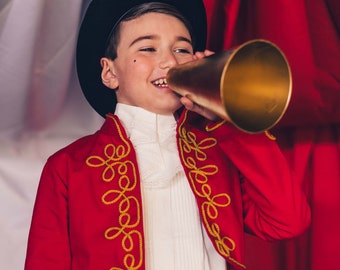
x: 160, y: 82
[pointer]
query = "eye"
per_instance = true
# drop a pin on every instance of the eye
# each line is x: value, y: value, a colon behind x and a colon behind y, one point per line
x: 182, y: 50
x: 147, y: 49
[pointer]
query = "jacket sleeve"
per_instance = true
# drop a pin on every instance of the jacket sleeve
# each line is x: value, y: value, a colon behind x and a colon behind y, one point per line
x: 274, y: 205
x: 48, y: 242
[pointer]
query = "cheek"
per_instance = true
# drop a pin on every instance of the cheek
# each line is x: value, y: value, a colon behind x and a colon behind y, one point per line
x: 132, y: 70
x: 132, y: 62
x: 185, y: 59
x: 140, y: 66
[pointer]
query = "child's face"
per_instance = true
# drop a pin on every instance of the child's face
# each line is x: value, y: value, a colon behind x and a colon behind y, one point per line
x: 149, y: 46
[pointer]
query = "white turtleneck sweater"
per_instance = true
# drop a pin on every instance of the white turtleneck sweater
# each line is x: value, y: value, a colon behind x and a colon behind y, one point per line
x: 175, y: 238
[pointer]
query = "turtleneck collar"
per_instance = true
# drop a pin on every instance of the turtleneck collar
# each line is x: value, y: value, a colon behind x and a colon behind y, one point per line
x: 145, y: 126
x: 154, y: 139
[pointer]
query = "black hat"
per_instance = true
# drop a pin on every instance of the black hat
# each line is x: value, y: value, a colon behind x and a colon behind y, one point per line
x: 99, y: 20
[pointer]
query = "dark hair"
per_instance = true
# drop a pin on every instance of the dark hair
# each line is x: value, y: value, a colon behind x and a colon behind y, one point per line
x: 137, y: 11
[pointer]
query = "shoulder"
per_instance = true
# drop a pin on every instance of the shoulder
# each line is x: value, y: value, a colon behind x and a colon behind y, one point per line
x: 75, y: 151
x: 111, y: 133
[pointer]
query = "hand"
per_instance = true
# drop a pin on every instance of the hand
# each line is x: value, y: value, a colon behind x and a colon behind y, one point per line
x: 199, y: 55
x: 189, y: 104
x: 192, y: 106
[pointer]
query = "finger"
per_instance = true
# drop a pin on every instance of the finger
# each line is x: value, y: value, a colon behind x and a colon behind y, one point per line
x: 199, y: 55
x: 187, y: 103
x: 208, y: 52
x: 192, y: 106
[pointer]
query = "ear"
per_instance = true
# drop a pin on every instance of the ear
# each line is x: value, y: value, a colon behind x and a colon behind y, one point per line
x: 108, y: 75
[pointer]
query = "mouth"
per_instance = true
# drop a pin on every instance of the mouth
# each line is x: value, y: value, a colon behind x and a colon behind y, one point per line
x: 160, y: 83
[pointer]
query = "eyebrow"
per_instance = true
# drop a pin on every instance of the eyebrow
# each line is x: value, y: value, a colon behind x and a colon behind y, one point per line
x: 153, y: 37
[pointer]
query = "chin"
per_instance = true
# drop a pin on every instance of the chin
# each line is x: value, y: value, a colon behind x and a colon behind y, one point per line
x: 166, y: 106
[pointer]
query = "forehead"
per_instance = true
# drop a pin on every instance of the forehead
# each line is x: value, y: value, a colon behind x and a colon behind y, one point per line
x: 154, y: 21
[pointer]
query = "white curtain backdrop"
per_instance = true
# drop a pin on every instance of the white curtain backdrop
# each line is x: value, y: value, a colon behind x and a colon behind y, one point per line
x: 41, y: 107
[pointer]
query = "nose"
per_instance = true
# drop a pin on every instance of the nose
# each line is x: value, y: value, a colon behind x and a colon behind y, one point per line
x: 167, y: 60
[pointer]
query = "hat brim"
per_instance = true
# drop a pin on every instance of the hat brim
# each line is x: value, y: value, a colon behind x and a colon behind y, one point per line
x: 99, y: 19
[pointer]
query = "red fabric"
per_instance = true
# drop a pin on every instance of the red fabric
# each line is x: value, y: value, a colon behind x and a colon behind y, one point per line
x: 96, y: 179
x: 308, y: 32
x: 90, y: 189
x: 272, y: 209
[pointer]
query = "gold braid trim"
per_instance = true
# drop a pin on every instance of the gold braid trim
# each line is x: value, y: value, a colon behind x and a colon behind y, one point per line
x: 117, y: 168
x: 270, y: 136
x: 199, y: 178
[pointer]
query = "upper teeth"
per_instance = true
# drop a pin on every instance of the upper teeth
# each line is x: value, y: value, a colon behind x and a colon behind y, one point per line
x: 160, y: 82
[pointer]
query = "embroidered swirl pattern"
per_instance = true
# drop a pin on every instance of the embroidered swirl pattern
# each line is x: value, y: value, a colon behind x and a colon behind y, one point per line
x: 117, y: 168
x: 193, y: 154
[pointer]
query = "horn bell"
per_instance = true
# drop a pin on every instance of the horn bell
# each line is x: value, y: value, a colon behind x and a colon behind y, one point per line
x: 249, y: 86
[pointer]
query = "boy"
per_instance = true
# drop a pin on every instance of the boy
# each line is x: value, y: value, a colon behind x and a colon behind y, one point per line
x: 158, y: 186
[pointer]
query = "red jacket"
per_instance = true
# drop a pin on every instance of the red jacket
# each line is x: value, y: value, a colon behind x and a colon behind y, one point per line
x: 88, y: 212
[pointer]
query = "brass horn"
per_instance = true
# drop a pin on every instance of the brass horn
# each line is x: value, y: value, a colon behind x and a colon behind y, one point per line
x: 249, y: 86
